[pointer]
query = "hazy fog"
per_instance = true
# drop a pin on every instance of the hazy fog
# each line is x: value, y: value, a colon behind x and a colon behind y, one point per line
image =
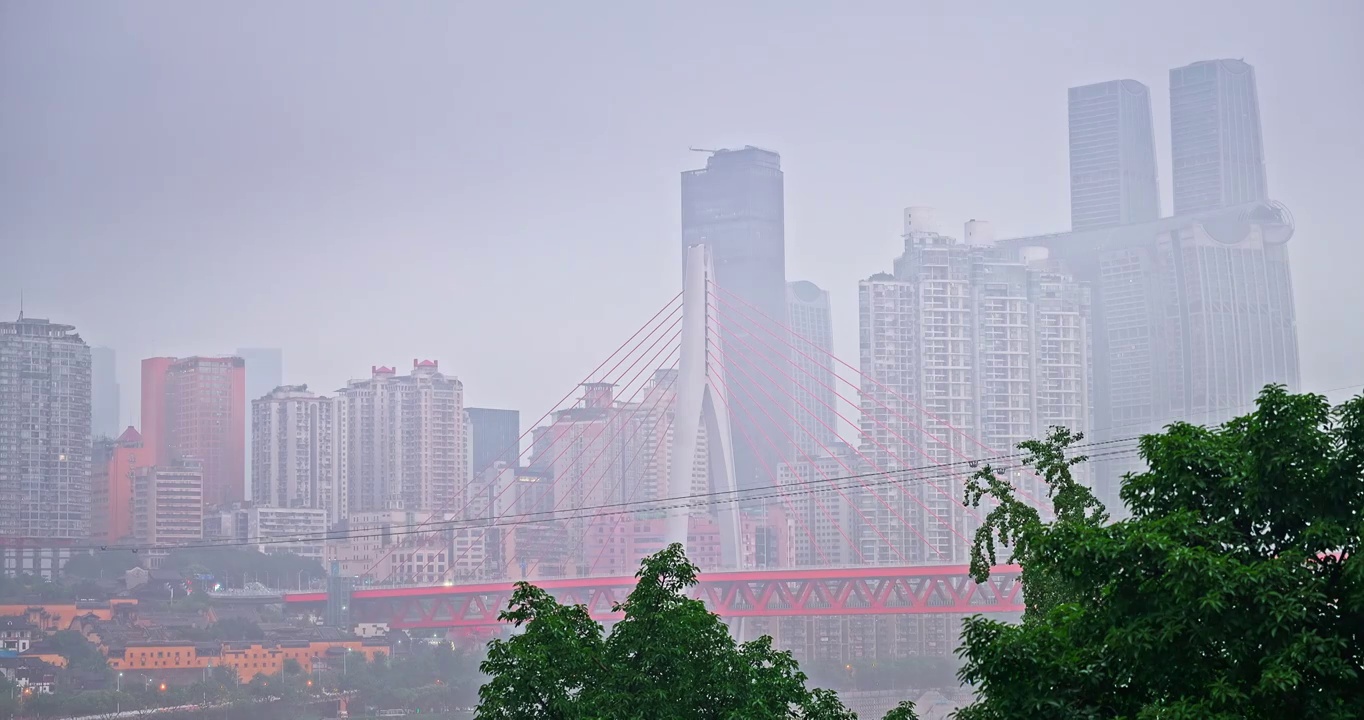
x: 495, y: 185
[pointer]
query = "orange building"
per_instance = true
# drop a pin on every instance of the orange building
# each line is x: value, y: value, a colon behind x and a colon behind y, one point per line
x: 52, y: 617
x: 195, y: 407
x: 111, y: 487
x: 248, y: 659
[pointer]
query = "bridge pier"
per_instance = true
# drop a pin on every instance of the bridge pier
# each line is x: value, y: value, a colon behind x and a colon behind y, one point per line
x: 700, y: 404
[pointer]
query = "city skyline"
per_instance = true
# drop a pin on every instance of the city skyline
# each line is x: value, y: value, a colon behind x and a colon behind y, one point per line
x: 855, y: 154
x: 735, y: 205
x: 972, y: 298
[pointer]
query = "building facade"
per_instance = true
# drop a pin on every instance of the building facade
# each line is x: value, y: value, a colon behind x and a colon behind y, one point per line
x: 586, y: 449
x: 494, y: 437
x: 968, y: 349
x: 735, y: 205
x: 168, y: 504
x: 1193, y: 316
x: 1218, y: 151
x: 293, y: 452
x: 104, y: 393
x: 300, y: 531
x: 812, y: 336
x: 195, y: 409
x: 401, y: 440
x: 111, y: 485
x: 823, y: 529
x: 45, y: 443
x: 1113, y: 179
x: 264, y: 372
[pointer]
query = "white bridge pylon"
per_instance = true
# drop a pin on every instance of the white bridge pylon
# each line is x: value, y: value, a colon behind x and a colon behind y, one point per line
x: 701, y: 402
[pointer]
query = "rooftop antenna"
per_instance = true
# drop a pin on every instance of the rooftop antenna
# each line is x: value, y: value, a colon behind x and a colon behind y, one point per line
x: 704, y: 150
x: 21, y: 304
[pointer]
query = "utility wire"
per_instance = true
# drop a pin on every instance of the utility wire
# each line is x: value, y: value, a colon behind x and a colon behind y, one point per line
x: 811, y: 487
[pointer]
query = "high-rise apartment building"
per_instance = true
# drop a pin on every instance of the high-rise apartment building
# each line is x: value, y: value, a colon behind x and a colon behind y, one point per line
x: 812, y: 328
x: 195, y: 408
x: 168, y: 504
x: 495, y: 437
x: 298, y: 531
x: 111, y: 485
x: 104, y: 393
x: 1113, y: 178
x: 822, y: 528
x: 735, y: 206
x: 1193, y: 316
x: 587, y: 448
x: 293, y: 452
x: 963, y: 343
x: 264, y: 372
x: 44, y: 430
x: 401, y: 440
x: 1218, y: 152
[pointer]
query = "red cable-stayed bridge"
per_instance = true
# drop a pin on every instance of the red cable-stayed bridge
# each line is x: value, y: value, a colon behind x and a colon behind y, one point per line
x: 863, y: 512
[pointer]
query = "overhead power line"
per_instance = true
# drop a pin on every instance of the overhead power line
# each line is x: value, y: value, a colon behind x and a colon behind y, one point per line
x: 806, y: 487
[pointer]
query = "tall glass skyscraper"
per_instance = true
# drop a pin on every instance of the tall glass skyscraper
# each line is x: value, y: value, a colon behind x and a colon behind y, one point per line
x: 264, y: 373
x: 1219, y: 157
x: 104, y: 400
x: 1112, y: 155
x: 496, y: 435
x: 811, y: 320
x: 735, y: 206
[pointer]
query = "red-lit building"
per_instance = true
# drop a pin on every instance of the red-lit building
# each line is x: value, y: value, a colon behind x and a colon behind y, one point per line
x: 195, y: 408
x: 615, y: 545
x: 111, y: 487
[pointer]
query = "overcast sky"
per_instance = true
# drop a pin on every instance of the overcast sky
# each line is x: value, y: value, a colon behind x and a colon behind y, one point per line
x: 495, y: 185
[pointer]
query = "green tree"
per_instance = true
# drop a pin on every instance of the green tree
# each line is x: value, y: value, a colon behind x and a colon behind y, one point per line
x: 903, y: 711
x: 235, y: 566
x: 669, y: 657
x: 101, y: 564
x: 9, y: 702
x: 86, y: 666
x: 1234, y: 590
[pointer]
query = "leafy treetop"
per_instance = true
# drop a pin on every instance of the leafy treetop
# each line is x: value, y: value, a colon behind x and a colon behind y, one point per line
x: 1234, y: 590
x: 668, y: 658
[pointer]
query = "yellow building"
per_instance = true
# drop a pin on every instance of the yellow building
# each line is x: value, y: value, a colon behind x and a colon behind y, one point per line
x: 248, y: 659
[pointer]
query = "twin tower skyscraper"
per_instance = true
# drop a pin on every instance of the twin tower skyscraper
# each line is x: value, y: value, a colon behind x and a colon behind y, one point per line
x: 1147, y: 368
x: 1217, y: 152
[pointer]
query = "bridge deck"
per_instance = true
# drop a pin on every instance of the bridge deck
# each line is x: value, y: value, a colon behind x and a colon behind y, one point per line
x: 930, y: 589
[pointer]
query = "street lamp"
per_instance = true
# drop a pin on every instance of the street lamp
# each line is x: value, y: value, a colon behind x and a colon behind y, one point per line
x: 118, y: 694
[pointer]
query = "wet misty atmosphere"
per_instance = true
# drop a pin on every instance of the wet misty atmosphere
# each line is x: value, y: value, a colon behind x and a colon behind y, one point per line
x: 359, y: 360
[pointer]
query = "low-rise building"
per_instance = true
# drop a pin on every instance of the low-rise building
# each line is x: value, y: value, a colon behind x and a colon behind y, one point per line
x: 247, y: 659
x: 297, y: 530
x: 30, y: 675
x: 16, y: 634
x: 51, y: 617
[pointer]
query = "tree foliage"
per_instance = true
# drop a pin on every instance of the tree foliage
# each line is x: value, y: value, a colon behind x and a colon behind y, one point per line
x: 1234, y: 590
x: 419, y: 676
x: 27, y: 588
x: 101, y: 564
x: 669, y: 657
x: 234, y: 566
